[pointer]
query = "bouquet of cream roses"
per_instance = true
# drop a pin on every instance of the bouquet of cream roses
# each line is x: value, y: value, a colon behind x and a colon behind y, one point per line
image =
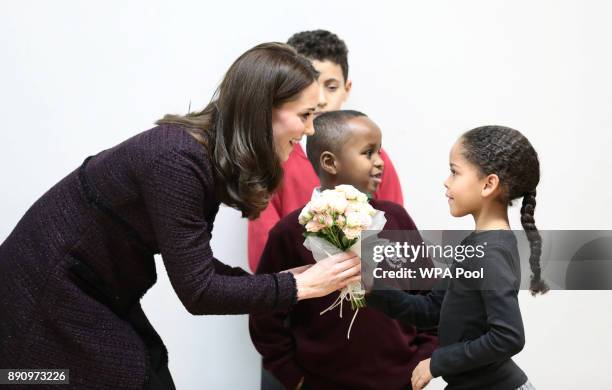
x: 335, y: 221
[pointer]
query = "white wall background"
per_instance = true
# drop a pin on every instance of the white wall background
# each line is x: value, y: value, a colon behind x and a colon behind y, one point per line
x: 77, y: 77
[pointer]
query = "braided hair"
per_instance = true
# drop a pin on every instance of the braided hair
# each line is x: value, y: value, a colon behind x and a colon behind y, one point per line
x: 509, y: 154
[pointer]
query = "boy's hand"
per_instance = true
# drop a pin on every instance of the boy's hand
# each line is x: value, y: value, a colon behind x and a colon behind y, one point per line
x: 421, y: 375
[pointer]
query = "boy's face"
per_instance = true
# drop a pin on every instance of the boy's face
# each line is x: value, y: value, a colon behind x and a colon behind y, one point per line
x: 334, y: 89
x: 358, y: 161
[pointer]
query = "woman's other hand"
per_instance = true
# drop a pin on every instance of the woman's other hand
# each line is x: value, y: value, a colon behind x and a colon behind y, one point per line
x: 421, y: 375
x: 298, y: 270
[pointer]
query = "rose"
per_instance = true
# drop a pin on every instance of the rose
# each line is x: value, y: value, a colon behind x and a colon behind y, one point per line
x: 319, y: 221
x: 318, y: 205
x: 338, y: 203
x: 363, y: 198
x: 350, y: 192
x: 352, y: 232
x: 341, y: 221
x: 305, y: 216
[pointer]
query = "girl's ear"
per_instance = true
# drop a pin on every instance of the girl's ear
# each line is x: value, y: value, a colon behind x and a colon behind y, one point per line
x: 491, y: 185
x: 329, y: 163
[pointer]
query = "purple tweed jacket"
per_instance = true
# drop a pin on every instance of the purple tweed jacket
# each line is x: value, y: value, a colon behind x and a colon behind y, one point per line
x: 73, y: 270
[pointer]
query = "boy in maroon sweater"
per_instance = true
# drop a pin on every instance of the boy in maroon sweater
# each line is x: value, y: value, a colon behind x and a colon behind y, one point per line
x: 304, y: 349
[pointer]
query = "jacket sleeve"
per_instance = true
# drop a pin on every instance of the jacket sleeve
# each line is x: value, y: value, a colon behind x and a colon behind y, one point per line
x: 178, y: 193
x: 224, y: 269
x: 390, y: 187
x: 271, y: 332
x: 505, y: 336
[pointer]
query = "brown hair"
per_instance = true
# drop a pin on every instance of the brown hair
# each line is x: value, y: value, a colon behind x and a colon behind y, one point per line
x: 236, y: 126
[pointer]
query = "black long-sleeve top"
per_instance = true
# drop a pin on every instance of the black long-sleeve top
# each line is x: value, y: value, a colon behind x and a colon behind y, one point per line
x: 479, y: 320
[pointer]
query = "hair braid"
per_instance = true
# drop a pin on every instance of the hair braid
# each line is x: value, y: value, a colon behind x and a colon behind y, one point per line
x: 535, y: 243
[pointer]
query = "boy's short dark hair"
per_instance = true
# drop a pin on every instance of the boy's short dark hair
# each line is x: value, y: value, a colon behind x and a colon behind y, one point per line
x: 322, y: 45
x: 330, y: 134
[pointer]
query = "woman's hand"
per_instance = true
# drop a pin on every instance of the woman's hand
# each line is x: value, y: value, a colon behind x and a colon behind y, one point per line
x: 298, y: 270
x: 421, y: 375
x: 328, y: 275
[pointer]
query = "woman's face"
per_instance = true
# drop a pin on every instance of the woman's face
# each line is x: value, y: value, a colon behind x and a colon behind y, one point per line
x: 464, y: 185
x: 293, y: 119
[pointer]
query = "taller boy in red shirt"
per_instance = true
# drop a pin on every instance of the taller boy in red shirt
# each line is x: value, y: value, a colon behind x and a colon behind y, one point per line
x: 329, y: 56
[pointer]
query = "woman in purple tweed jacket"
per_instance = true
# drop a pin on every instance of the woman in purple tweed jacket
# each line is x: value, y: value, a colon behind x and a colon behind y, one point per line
x: 73, y: 270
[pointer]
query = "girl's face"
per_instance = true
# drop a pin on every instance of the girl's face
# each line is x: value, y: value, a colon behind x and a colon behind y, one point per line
x: 464, y: 186
x: 293, y: 119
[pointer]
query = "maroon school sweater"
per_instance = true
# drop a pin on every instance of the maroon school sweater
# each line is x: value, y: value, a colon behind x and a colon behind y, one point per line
x: 300, y: 342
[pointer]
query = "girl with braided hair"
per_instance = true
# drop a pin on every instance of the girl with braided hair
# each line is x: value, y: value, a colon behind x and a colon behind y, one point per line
x: 508, y: 166
x: 479, y: 321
